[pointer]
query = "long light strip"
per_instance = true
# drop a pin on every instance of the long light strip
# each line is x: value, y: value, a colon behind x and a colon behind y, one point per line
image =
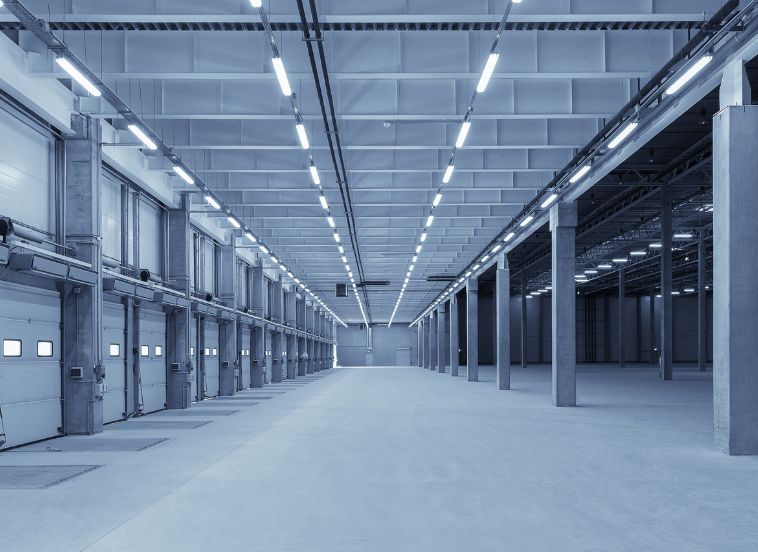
x: 622, y: 135
x: 489, y: 68
x: 698, y: 66
x: 144, y: 138
x: 183, y: 175
x: 281, y: 76
x: 77, y: 75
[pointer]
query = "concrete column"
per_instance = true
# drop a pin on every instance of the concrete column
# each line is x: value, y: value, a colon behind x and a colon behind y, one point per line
x: 419, y: 345
x: 441, y: 338
x: 82, y: 305
x: 276, y: 356
x: 178, y: 321
x: 316, y: 341
x: 524, y: 328
x: 563, y: 229
x: 735, y: 264
x: 433, y: 342
x: 259, y: 290
x: 277, y: 310
x: 653, y: 355
x: 503, y: 323
x: 472, y: 329
x: 666, y: 366
x: 229, y: 366
x: 291, y: 356
x: 259, y: 356
x: 702, y: 309
x: 454, y: 345
x: 622, y: 318
x: 427, y: 348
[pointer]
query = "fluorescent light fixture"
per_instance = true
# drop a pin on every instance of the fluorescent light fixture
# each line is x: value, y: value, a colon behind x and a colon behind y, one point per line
x: 212, y: 202
x: 418, y: 249
x: 344, y: 259
x: 578, y: 175
x: 234, y: 222
x: 281, y: 76
x: 485, y: 258
x: 437, y: 199
x: 496, y: 249
x: 475, y: 267
x: 144, y: 138
x: 548, y: 201
x: 688, y: 75
x: 638, y: 253
x: 250, y: 237
x: 256, y: 3
x: 410, y: 268
x: 689, y: 290
x: 429, y: 221
x: 302, y: 135
x: 274, y: 259
x: 675, y: 293
x: 283, y: 268
x: 683, y: 236
x: 580, y: 277
x: 77, y: 75
x: 330, y: 220
x: 322, y: 200
x: 183, y: 175
x: 415, y: 257
x: 468, y: 274
x: 605, y: 266
x: 655, y: 246
x: 526, y: 221
x: 336, y: 237
x: 263, y: 249
x: 465, y: 127
x: 423, y: 236
x: 509, y: 237
x: 448, y: 173
x: 623, y: 135
x: 489, y: 68
x: 621, y: 260
x: 314, y: 175
x: 590, y: 271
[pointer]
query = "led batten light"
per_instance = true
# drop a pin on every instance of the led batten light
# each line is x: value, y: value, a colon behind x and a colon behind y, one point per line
x: 496, y: 249
x: 322, y: 200
x: 256, y: 3
x: 302, y: 135
x: 489, y: 68
x: 336, y: 237
x: 465, y: 127
x: 418, y: 249
x: 429, y: 221
x: 590, y: 271
x: 281, y: 76
x: 623, y: 135
x: 578, y: 175
x: 415, y: 257
x: 638, y: 253
x: 549, y: 201
x: 683, y: 236
x: 341, y: 249
x: 526, y: 221
x: 144, y: 138
x: 605, y: 266
x: 423, y: 236
x: 250, y: 237
x: 274, y: 259
x: 234, y: 222
x: 183, y: 175
x: 621, y: 260
x: 448, y: 173
x: 212, y: 202
x: 437, y: 199
x: 698, y: 66
x: 77, y: 75
x: 263, y: 249
x: 314, y: 175
x: 330, y: 220
x: 509, y: 237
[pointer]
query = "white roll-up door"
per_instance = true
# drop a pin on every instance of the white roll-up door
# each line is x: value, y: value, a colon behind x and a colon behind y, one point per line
x: 27, y: 160
x: 152, y: 361
x: 245, y: 356
x: 114, y: 361
x: 211, y: 352
x: 269, y: 358
x: 194, y: 358
x: 30, y: 364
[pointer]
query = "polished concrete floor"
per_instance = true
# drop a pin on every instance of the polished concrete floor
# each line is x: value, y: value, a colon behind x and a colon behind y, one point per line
x: 403, y: 459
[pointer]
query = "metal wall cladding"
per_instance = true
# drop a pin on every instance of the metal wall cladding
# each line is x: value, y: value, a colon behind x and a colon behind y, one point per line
x: 212, y: 363
x: 27, y: 186
x: 111, y: 189
x: 152, y: 357
x: 30, y: 384
x: 114, y: 361
x: 150, y: 236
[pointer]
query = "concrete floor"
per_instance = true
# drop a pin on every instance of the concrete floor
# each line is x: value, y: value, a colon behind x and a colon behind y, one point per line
x: 403, y: 459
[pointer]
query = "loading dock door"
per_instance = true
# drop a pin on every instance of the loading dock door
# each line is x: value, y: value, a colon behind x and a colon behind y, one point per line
x: 30, y: 360
x: 152, y: 353
x: 114, y: 355
x: 194, y: 359
x: 269, y: 358
x: 211, y: 352
x: 245, y: 355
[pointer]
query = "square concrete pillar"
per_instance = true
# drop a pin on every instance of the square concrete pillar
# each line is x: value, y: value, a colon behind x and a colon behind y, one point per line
x: 454, y: 345
x: 735, y: 264
x: 667, y: 307
x: 622, y: 317
x: 442, y: 341
x: 419, y: 346
x: 503, y: 323
x: 472, y: 329
x: 427, y: 354
x: 229, y: 366
x: 563, y: 230
x: 433, y: 343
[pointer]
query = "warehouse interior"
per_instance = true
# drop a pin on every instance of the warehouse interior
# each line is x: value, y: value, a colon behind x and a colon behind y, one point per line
x: 407, y: 275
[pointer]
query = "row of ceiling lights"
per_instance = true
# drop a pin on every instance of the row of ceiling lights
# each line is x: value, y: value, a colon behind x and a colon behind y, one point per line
x: 76, y: 70
x: 624, y: 131
x: 281, y: 76
x: 481, y: 87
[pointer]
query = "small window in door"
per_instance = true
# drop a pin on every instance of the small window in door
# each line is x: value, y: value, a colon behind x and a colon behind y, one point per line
x: 11, y: 347
x: 207, y: 352
x: 158, y: 351
x: 114, y: 350
x: 144, y: 350
x: 44, y: 349
x: 192, y: 351
x: 215, y: 352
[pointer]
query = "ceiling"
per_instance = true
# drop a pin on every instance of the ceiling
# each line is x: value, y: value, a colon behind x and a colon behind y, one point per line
x: 401, y: 73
